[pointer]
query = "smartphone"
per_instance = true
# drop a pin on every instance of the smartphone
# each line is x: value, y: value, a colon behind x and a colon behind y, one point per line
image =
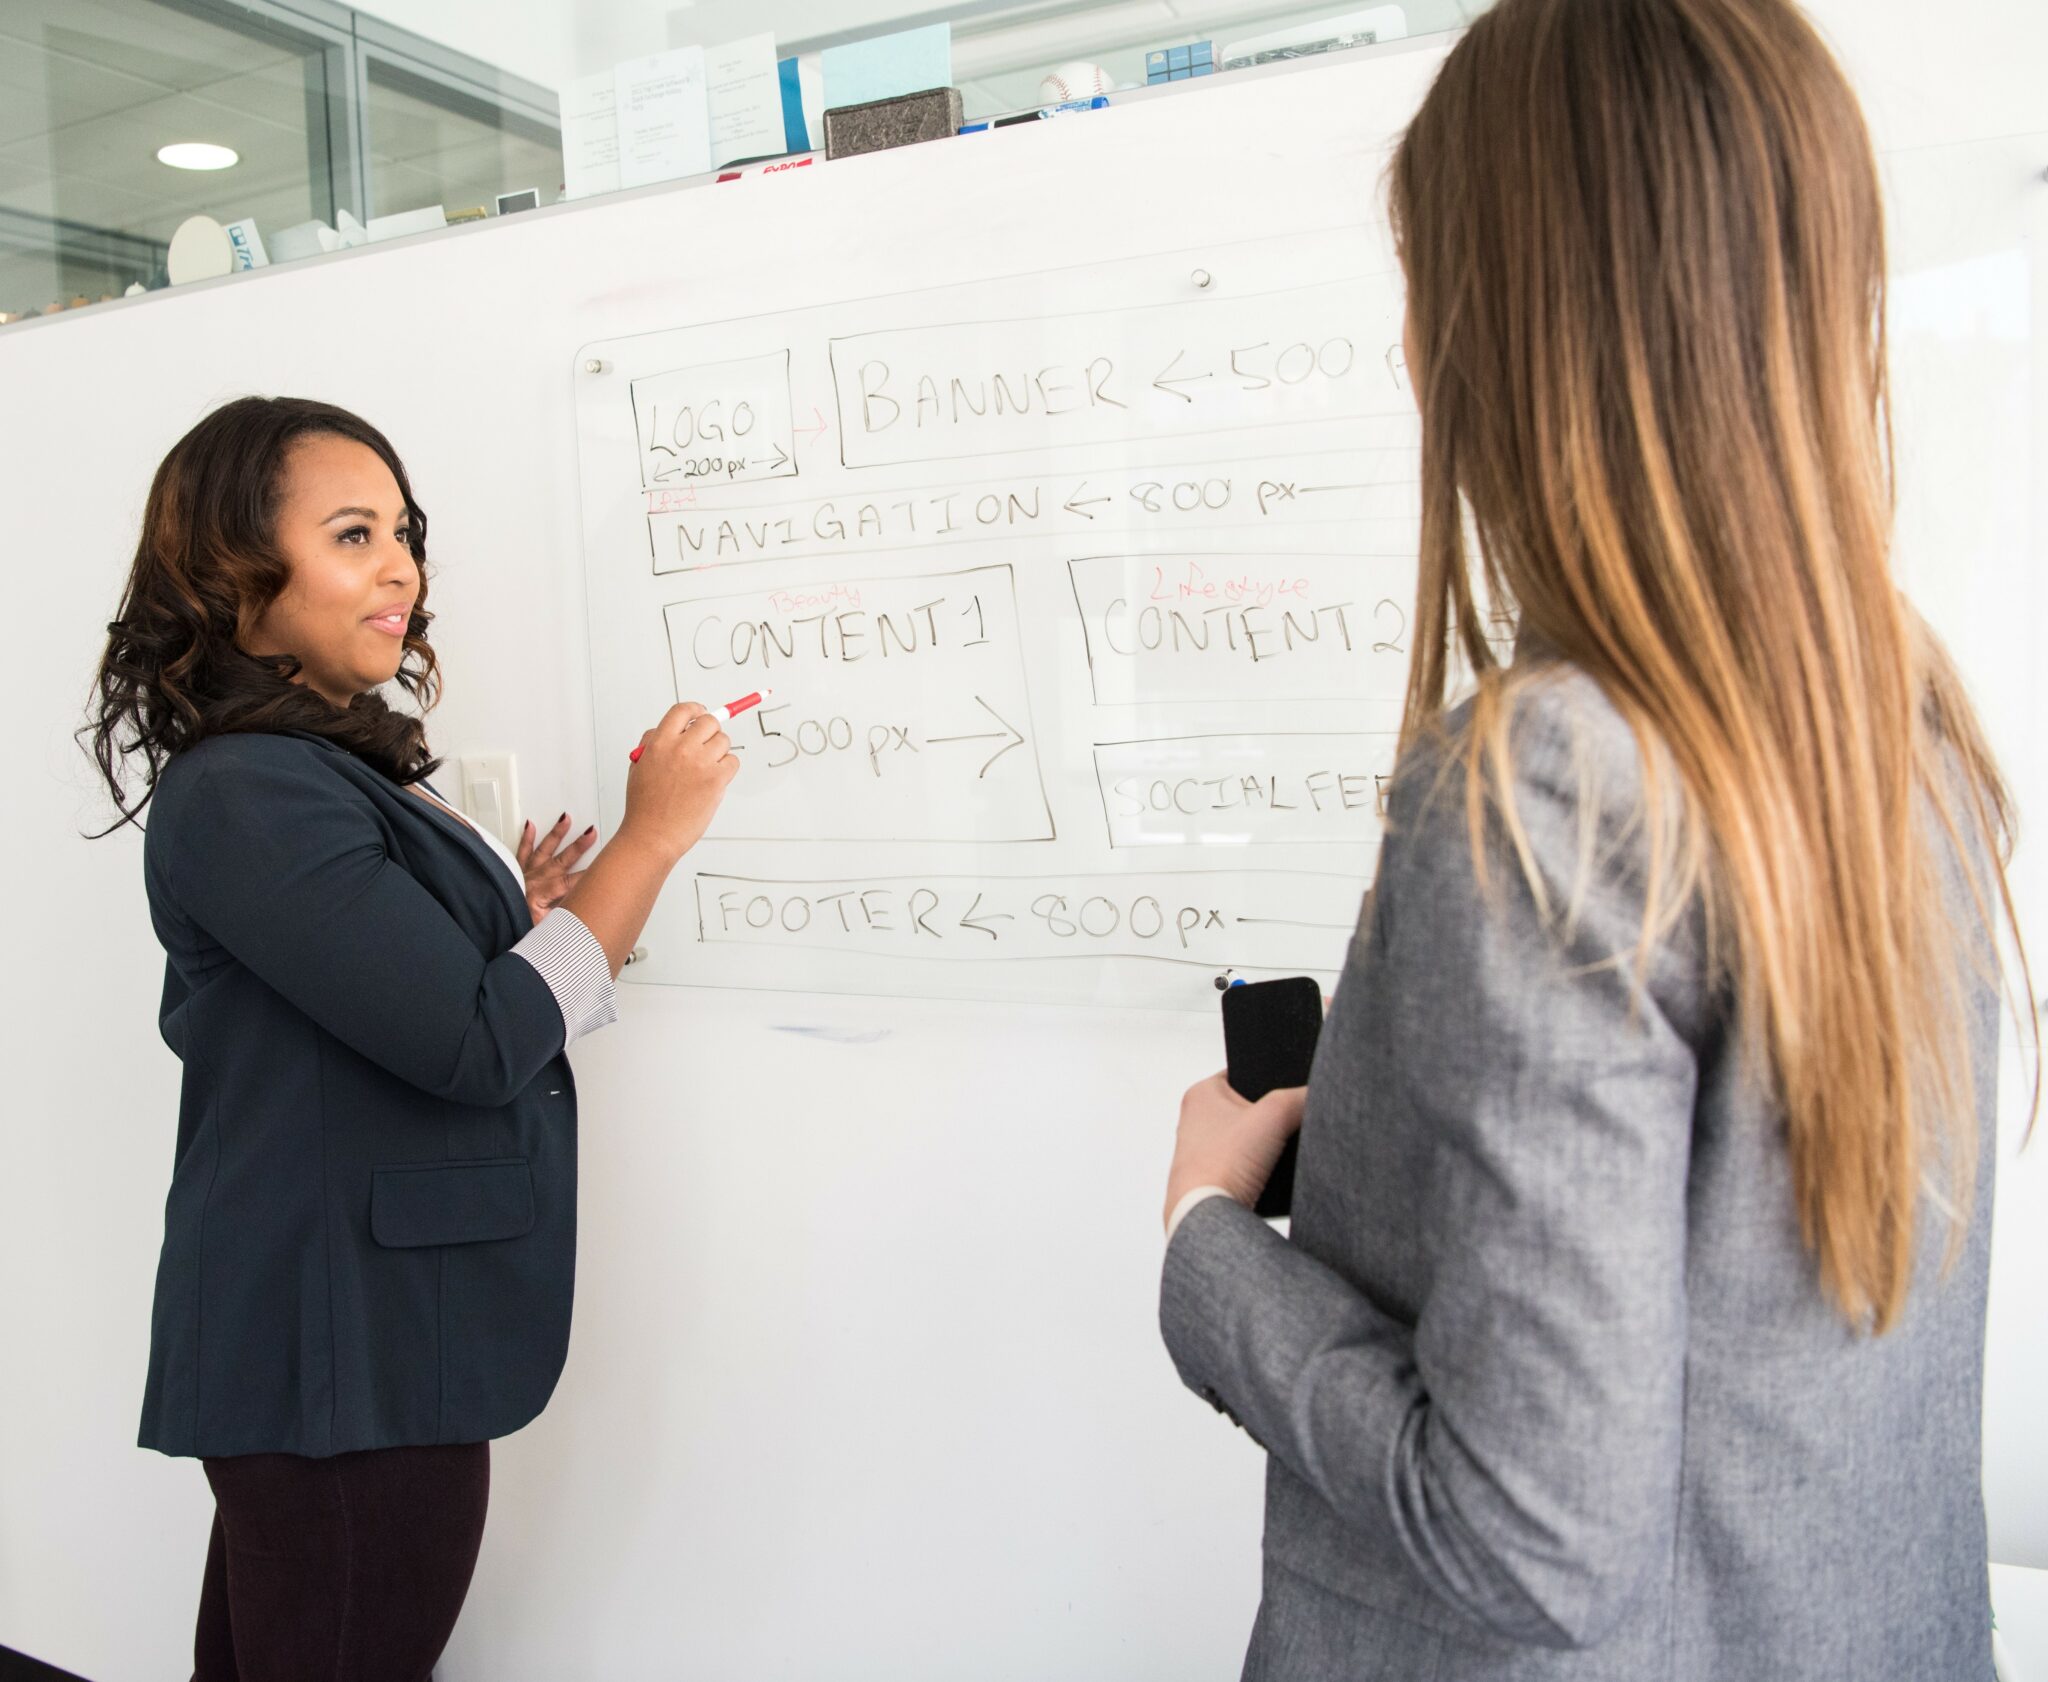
x: 1269, y: 1042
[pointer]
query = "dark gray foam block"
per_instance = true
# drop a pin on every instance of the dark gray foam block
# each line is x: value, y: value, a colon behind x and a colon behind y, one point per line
x: 903, y: 120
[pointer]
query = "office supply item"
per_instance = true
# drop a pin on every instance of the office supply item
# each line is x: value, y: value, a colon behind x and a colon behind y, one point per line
x: 1177, y: 64
x: 902, y: 120
x: 302, y: 239
x: 590, y: 135
x: 1270, y: 1030
x: 796, y: 135
x: 526, y: 198
x: 1304, y: 40
x: 664, y: 117
x: 403, y: 222
x: 1097, y: 103
x: 247, y: 244
x: 744, y: 94
x: 909, y: 61
x: 724, y: 715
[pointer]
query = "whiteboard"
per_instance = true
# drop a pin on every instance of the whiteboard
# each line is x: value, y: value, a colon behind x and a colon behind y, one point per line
x: 1081, y: 598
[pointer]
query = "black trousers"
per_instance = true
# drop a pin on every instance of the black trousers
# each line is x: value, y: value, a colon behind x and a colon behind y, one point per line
x: 350, y: 1569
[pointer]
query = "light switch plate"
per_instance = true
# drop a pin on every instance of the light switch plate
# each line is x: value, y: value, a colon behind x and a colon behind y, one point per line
x: 490, y: 794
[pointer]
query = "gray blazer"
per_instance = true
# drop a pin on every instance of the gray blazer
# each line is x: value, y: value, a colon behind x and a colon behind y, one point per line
x: 1544, y: 1374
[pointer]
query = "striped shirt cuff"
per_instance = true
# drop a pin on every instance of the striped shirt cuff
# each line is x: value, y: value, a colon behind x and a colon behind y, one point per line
x: 577, y: 972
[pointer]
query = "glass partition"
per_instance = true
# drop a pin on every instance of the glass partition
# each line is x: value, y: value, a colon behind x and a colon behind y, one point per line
x: 434, y: 143
x: 334, y: 127
x: 90, y: 90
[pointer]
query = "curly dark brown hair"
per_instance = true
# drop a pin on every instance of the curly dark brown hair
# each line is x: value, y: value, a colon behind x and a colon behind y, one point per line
x: 206, y: 567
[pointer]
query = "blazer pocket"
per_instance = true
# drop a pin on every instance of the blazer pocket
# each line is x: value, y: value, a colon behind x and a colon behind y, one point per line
x: 419, y: 1203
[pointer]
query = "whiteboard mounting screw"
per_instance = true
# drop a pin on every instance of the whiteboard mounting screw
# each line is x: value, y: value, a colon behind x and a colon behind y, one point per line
x: 1201, y: 277
x: 594, y: 365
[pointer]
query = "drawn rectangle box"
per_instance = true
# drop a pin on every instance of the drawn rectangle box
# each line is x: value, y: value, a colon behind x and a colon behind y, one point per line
x: 952, y: 389
x: 1244, y: 627
x: 717, y: 423
x: 901, y: 708
x: 688, y: 534
x: 1285, y: 920
x: 1320, y: 788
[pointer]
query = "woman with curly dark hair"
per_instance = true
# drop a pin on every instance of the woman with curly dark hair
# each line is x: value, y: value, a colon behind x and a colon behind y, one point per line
x: 369, y: 1241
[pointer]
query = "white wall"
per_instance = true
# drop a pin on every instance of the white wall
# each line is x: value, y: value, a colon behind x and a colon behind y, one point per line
x: 865, y: 1380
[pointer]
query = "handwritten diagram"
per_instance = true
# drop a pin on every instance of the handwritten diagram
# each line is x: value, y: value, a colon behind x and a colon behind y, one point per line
x: 1203, y: 366
x: 1082, y: 605
x: 1371, y: 489
x: 1202, y: 919
x: 728, y: 423
x: 915, y: 722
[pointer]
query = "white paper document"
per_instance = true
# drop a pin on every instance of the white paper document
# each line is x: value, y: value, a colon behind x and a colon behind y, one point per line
x: 745, y: 99
x: 664, y: 117
x: 590, y: 136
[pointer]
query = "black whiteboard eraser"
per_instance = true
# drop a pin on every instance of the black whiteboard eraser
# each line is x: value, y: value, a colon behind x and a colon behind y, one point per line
x: 901, y: 120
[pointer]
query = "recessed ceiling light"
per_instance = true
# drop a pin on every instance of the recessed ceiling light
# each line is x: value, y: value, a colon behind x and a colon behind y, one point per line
x: 197, y: 154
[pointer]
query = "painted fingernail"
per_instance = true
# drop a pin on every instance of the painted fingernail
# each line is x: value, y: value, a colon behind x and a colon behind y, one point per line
x: 564, y: 818
x: 592, y: 830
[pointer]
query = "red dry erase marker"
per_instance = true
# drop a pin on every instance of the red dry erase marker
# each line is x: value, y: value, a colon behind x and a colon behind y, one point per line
x: 725, y: 714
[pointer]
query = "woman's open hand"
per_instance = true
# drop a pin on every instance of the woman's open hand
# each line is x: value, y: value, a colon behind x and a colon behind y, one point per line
x: 548, y: 865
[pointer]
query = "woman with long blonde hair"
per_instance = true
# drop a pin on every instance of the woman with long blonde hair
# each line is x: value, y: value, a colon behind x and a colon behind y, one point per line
x: 1631, y: 1320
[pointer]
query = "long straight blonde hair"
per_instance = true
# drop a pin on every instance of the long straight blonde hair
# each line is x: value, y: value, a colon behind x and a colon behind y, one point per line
x: 1644, y: 247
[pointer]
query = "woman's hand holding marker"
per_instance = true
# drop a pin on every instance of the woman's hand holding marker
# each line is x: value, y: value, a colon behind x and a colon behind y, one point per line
x: 678, y: 776
x: 680, y: 771
x: 724, y: 715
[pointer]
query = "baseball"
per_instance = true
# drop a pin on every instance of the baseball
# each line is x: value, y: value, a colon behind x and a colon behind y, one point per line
x: 1075, y: 81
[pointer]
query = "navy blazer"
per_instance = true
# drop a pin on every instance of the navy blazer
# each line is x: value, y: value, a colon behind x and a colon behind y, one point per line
x: 370, y: 1237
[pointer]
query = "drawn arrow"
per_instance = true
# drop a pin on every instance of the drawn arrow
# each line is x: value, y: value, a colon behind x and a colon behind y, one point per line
x: 967, y: 920
x: 1166, y: 385
x: 1015, y: 737
x: 1078, y: 504
x: 781, y: 459
x: 817, y: 431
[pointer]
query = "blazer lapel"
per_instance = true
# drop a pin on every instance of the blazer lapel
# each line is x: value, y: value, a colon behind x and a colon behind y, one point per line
x: 465, y: 837
x: 479, y: 849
